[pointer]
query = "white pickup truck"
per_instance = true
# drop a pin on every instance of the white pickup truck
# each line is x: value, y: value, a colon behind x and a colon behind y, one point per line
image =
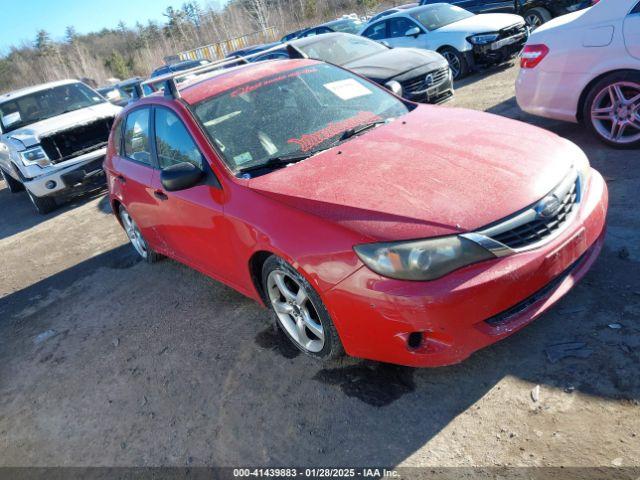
x: 53, y: 140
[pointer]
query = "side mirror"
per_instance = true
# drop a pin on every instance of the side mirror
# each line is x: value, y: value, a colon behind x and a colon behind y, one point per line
x: 412, y: 32
x: 180, y: 176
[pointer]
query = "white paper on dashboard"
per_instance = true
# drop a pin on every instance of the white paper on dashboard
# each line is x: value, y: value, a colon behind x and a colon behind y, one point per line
x: 347, y: 89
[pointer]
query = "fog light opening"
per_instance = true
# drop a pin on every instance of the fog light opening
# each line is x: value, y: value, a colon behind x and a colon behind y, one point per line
x: 50, y: 184
x: 415, y: 340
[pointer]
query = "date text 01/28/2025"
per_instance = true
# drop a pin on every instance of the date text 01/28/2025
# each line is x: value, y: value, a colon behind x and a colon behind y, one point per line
x: 315, y: 472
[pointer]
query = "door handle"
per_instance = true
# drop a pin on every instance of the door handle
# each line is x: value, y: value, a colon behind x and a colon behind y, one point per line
x: 159, y: 194
x: 121, y: 179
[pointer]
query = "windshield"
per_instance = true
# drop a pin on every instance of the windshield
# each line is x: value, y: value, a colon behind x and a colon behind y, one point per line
x: 341, y: 49
x: 34, y: 107
x: 292, y: 113
x: 346, y: 26
x: 433, y: 17
x: 114, y: 94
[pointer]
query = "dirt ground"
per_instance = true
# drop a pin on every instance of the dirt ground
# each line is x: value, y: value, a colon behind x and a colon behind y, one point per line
x: 108, y: 361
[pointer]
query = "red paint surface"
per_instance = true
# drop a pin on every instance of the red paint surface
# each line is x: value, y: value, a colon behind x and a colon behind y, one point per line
x: 433, y: 172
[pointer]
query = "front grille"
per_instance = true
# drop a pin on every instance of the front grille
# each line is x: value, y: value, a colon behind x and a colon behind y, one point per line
x: 419, y: 84
x: 512, y: 31
x: 537, y: 230
x: 78, y: 141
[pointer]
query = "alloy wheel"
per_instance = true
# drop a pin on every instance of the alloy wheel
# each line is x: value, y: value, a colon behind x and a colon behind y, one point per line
x: 454, y: 63
x: 295, y: 310
x: 135, y: 237
x: 533, y: 20
x: 615, y: 112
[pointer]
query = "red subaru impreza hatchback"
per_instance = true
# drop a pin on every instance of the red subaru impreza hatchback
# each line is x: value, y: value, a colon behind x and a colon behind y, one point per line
x: 369, y: 225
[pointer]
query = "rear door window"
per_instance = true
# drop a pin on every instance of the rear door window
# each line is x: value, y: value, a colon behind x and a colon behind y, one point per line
x: 136, y: 136
x: 174, y: 144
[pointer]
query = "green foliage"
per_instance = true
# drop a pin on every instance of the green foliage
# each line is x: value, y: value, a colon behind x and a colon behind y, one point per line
x: 120, y: 67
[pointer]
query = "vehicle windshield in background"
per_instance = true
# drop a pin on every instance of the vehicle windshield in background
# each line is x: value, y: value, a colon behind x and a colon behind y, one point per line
x: 114, y: 94
x: 440, y: 15
x: 346, y: 26
x: 341, y: 48
x: 37, y: 106
x: 297, y: 112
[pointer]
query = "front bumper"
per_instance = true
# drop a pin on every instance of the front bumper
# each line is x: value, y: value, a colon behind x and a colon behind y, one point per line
x: 471, y: 308
x: 500, y: 51
x: 71, y: 175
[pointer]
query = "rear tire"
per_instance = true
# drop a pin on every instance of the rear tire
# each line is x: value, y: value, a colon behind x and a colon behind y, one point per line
x: 537, y: 17
x: 299, y: 311
x: 13, y: 185
x: 611, y: 110
x: 136, y: 239
x: 457, y: 62
x: 43, y: 205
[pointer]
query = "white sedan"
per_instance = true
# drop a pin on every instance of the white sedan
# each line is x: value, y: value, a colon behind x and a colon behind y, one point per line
x: 585, y: 67
x: 466, y: 40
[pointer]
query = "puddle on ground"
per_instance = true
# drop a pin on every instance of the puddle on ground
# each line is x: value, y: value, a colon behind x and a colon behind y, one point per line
x: 274, y: 339
x: 376, y: 384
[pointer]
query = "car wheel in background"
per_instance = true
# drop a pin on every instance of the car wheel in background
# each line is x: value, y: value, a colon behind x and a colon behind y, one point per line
x: 457, y: 62
x: 299, y: 310
x: 43, y: 205
x: 13, y: 184
x: 135, y: 237
x: 612, y: 109
x: 536, y: 17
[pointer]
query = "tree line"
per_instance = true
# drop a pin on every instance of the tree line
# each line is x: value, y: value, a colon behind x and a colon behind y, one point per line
x: 136, y: 49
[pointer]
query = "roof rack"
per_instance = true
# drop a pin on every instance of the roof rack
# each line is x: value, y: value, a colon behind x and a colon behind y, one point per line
x: 169, y: 84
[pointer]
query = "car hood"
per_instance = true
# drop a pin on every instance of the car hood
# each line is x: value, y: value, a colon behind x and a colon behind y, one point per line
x: 435, y: 171
x: 391, y: 63
x: 31, y: 134
x: 483, y: 23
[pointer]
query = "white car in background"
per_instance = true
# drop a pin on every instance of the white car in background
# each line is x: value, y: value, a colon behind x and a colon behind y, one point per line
x: 585, y: 67
x: 465, y: 39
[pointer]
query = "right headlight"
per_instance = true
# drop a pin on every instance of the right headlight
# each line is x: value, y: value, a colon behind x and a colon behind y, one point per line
x: 34, y: 156
x: 421, y: 259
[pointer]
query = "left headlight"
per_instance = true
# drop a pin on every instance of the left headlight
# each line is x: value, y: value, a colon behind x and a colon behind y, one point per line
x: 34, y: 156
x: 421, y: 259
x: 483, y: 39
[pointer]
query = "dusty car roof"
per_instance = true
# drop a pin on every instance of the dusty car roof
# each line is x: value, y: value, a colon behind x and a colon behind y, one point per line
x: 35, y: 88
x: 206, y: 86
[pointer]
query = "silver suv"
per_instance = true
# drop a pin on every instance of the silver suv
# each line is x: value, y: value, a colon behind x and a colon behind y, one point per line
x: 53, y: 140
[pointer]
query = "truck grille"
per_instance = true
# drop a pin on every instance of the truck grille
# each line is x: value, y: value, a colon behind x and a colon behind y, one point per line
x: 419, y: 83
x: 540, y: 228
x: 77, y: 141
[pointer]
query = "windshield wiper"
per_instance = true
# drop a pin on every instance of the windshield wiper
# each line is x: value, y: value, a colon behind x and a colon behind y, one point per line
x: 276, y: 162
x: 352, y: 132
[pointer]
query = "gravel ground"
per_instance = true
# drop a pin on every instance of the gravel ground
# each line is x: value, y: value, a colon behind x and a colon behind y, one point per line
x: 108, y: 361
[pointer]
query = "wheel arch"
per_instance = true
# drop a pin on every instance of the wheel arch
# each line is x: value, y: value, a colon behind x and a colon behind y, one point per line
x: 585, y: 91
x: 255, y: 264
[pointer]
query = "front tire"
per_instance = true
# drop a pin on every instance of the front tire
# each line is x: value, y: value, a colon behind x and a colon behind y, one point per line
x: 612, y: 110
x: 457, y: 62
x: 13, y: 185
x: 136, y: 239
x: 43, y: 205
x: 537, y: 17
x: 299, y: 311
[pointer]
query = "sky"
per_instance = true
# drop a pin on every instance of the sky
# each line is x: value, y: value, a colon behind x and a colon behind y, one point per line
x: 21, y: 19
